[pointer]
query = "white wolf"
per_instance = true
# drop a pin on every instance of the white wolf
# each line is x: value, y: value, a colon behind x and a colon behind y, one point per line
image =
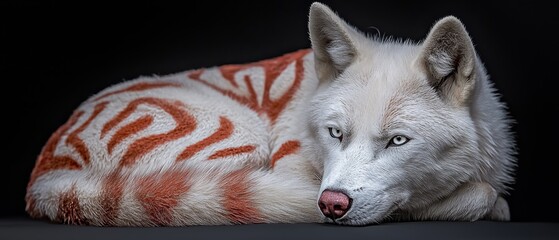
x: 357, y: 131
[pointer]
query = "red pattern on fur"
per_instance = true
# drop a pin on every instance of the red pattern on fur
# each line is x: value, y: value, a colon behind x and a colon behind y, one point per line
x: 76, y: 141
x: 185, y: 124
x: 232, y: 151
x: 69, y: 210
x: 47, y: 161
x: 195, y: 74
x: 224, y: 131
x: 286, y: 148
x: 159, y: 194
x: 111, y: 197
x: 128, y: 130
x: 237, y: 200
x: 228, y: 72
x: 272, y: 68
x: 138, y: 87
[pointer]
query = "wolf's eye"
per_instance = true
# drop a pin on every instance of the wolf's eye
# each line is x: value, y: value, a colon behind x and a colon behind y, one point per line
x: 336, y: 133
x: 398, y: 140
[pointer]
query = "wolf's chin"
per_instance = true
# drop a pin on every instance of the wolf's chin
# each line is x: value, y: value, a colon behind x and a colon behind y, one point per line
x: 377, y: 218
x: 360, y: 221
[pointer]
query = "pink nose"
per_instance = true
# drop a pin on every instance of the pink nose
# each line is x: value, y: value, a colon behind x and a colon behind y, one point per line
x: 334, y: 204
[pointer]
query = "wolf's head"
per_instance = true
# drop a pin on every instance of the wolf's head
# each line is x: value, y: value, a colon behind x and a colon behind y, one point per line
x: 399, y: 125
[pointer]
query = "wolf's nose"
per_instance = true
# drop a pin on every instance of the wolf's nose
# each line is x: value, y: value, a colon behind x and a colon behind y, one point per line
x: 334, y: 204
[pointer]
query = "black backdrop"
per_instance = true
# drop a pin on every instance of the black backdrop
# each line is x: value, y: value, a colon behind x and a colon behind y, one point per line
x: 55, y: 55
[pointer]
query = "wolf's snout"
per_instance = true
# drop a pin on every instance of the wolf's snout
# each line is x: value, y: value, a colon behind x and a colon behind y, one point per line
x: 334, y: 204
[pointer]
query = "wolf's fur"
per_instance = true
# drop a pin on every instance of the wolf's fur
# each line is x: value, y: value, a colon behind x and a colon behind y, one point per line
x: 251, y: 143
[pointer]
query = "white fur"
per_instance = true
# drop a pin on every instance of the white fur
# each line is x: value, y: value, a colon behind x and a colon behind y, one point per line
x: 457, y: 164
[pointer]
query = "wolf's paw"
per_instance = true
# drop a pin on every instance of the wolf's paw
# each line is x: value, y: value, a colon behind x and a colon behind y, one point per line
x: 500, y: 211
x: 481, y: 198
x: 470, y: 202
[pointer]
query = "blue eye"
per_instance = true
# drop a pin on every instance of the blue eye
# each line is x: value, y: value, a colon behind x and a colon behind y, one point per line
x: 398, y: 140
x: 336, y: 133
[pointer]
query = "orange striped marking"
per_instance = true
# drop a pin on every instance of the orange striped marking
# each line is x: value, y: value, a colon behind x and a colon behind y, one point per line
x: 195, y: 74
x: 128, y: 130
x: 76, y: 141
x: 111, y: 197
x: 272, y: 68
x: 237, y: 198
x: 47, y: 161
x: 159, y: 194
x: 224, y: 131
x: 232, y: 151
x: 185, y: 124
x: 228, y: 72
x: 286, y: 148
x: 142, y: 86
x: 69, y: 210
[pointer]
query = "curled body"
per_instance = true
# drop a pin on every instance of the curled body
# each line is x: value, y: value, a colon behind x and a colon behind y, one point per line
x: 354, y: 131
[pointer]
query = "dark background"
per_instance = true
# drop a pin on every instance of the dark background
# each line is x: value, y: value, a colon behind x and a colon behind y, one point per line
x: 54, y: 55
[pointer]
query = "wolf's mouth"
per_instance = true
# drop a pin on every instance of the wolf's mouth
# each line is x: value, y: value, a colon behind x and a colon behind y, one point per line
x: 387, y: 216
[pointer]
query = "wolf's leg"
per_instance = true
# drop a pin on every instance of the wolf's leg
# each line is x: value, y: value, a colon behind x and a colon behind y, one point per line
x: 469, y: 202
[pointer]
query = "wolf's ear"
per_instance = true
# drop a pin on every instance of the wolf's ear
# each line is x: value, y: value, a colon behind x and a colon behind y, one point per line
x: 449, y: 58
x: 333, y: 42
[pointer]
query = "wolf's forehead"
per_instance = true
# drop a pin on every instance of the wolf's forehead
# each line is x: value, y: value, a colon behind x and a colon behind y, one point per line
x: 386, y: 64
x: 392, y: 59
x: 389, y: 82
x: 386, y: 97
x: 385, y: 70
